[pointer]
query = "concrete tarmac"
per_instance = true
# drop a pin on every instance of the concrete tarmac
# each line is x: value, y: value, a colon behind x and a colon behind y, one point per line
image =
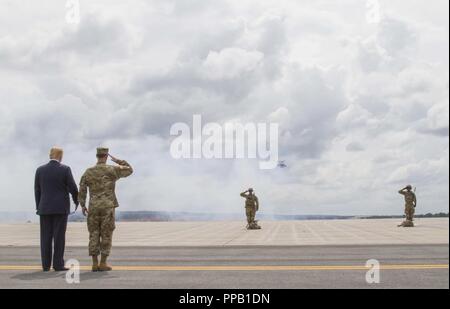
x: 402, y: 266
x: 233, y: 233
x: 199, y: 255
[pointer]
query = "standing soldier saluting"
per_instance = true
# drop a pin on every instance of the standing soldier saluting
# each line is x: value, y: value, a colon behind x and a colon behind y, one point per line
x: 410, y: 205
x: 101, y: 182
x: 251, y: 207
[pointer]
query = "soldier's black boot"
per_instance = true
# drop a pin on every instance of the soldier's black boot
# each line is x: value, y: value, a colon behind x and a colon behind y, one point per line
x: 253, y: 226
x: 103, y: 266
x: 94, y: 263
x: 408, y: 223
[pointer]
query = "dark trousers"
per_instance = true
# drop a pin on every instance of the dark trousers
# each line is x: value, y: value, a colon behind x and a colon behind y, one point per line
x: 53, y: 232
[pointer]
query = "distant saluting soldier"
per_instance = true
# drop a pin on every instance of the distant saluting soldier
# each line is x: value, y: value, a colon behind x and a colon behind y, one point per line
x: 410, y: 205
x: 101, y: 182
x: 251, y: 207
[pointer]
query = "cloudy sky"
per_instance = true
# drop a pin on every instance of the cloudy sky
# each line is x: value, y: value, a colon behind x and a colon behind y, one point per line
x: 362, y: 103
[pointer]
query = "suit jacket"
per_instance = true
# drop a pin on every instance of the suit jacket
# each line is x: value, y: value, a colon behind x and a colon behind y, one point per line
x: 52, y: 185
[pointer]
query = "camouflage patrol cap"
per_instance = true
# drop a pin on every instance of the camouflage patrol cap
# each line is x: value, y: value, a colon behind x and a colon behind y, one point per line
x: 250, y: 190
x: 101, y: 151
x: 409, y: 187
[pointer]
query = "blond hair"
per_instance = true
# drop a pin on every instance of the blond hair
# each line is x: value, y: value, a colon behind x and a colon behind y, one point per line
x: 56, y: 152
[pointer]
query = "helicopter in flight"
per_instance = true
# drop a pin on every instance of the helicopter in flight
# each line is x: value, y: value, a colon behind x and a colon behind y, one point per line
x: 282, y: 164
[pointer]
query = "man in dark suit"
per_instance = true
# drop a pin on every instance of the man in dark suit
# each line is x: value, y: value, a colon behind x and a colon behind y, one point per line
x: 53, y: 183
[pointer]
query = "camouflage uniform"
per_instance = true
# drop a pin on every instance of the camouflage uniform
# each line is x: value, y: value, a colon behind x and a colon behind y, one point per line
x: 410, y: 207
x: 251, y: 207
x: 101, y: 181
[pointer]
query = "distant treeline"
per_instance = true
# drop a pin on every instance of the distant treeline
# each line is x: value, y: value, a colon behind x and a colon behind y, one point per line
x: 428, y: 215
x: 162, y: 216
x: 165, y: 216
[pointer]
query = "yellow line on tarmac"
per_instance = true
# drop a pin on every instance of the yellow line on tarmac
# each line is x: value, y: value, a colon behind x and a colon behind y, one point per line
x: 244, y: 267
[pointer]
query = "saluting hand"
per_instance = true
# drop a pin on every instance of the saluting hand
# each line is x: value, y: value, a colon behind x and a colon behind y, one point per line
x: 114, y: 159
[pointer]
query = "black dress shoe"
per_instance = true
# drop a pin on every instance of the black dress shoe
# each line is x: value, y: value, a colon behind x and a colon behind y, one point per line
x: 45, y: 269
x: 61, y: 269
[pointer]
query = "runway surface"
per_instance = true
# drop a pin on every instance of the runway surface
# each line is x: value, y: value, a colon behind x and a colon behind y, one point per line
x: 233, y: 233
x: 238, y: 267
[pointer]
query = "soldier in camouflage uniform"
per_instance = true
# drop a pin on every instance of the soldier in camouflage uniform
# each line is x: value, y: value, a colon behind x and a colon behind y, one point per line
x: 101, y: 181
x: 251, y: 207
x: 410, y: 205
